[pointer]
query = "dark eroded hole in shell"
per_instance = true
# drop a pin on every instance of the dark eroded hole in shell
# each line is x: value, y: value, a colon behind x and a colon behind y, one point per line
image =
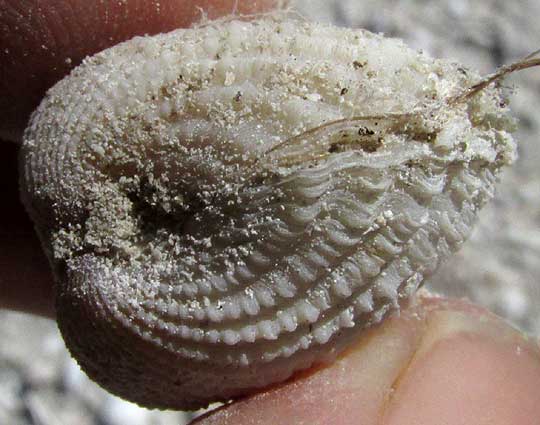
x: 157, y: 211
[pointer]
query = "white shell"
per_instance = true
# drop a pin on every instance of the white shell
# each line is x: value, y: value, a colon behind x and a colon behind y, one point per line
x: 225, y: 205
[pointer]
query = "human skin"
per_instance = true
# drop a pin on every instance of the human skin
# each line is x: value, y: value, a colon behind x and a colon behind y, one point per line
x: 439, y: 362
x: 443, y: 362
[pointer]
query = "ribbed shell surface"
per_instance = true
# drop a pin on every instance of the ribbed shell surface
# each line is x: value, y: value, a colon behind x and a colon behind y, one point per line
x: 225, y: 205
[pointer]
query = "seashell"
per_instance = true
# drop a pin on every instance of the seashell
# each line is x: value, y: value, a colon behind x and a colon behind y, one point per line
x: 225, y: 205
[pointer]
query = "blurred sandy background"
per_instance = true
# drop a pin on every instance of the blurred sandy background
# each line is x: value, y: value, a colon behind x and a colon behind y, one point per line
x: 498, y: 268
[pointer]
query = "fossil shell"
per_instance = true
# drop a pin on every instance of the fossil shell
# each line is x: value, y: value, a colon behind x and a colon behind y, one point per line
x: 225, y: 205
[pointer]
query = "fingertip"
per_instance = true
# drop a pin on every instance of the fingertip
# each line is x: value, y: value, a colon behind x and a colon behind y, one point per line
x: 470, y: 368
x: 349, y: 391
x: 26, y: 282
x: 440, y: 361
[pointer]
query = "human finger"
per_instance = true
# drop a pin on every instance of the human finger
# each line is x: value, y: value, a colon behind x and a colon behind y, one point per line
x: 438, y: 362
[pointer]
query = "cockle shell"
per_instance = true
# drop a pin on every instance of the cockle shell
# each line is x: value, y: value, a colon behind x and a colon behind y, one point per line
x: 225, y: 205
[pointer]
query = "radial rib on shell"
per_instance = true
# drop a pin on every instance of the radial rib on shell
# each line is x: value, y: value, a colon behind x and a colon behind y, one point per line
x: 225, y: 205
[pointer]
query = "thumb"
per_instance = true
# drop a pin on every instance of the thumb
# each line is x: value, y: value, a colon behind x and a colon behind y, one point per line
x: 42, y: 40
x: 439, y: 362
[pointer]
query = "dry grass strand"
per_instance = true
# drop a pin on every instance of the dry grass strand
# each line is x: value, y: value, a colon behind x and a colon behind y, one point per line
x: 529, y: 61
